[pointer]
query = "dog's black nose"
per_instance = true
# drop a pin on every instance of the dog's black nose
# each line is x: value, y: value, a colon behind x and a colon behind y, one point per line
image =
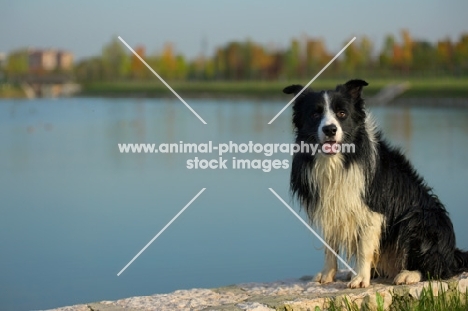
x: 329, y: 130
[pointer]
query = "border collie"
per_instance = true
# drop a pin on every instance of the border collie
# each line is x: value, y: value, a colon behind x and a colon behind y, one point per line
x: 371, y: 204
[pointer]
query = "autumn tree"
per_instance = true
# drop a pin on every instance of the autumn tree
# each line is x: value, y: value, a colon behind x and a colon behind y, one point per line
x: 258, y: 61
x: 168, y: 62
x: 137, y: 69
x: 234, y: 62
x: 406, y: 58
x: 445, y: 54
x: 316, y: 56
x: 253, y: 61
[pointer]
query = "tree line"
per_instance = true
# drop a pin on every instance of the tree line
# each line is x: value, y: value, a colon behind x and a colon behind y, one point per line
x: 303, y: 58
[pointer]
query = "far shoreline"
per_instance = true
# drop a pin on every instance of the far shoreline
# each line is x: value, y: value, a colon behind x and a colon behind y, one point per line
x: 418, y: 88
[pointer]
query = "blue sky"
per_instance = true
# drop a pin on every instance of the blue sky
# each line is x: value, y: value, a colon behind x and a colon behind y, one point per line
x: 83, y: 26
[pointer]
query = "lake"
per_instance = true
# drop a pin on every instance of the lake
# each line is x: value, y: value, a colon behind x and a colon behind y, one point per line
x: 75, y: 210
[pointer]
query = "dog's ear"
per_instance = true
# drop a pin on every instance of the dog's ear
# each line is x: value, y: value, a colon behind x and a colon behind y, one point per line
x: 293, y: 89
x: 353, y: 88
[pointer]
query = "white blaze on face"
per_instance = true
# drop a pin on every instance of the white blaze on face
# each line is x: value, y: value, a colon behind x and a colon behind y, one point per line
x: 329, y: 118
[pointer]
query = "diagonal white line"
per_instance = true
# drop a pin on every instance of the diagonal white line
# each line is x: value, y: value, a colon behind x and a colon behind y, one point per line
x: 313, y: 79
x: 162, y: 80
x: 160, y: 232
x: 312, y: 230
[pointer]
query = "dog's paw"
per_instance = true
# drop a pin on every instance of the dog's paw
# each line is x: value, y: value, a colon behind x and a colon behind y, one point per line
x: 407, y: 277
x: 359, y: 281
x: 324, y: 277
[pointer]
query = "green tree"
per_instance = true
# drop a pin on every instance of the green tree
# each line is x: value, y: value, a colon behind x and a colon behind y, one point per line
x: 358, y: 56
x: 424, y: 56
x: 293, y: 60
x: 17, y: 63
x: 461, y: 54
x: 182, y: 68
x: 386, y: 54
x: 220, y: 64
x: 351, y: 59
x: 115, y: 60
x: 89, y: 70
x: 366, y: 49
x: 209, y: 70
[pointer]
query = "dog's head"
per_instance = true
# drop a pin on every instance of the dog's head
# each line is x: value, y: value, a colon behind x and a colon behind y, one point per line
x: 328, y: 117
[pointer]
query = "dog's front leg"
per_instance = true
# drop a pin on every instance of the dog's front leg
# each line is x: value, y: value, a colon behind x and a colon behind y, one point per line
x: 363, y: 265
x: 368, y: 245
x: 329, y: 270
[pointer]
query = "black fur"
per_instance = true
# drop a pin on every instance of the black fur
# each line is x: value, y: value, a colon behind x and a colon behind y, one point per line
x: 417, y: 231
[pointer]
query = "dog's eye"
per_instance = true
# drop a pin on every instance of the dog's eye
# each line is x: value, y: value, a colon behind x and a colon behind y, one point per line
x: 316, y: 115
x: 341, y: 114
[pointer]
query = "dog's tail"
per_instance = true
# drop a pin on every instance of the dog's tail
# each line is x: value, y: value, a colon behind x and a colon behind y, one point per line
x: 461, y: 260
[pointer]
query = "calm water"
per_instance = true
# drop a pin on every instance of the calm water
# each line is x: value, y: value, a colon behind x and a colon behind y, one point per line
x: 74, y: 210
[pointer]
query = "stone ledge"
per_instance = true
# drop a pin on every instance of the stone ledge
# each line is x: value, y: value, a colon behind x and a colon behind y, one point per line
x: 293, y: 294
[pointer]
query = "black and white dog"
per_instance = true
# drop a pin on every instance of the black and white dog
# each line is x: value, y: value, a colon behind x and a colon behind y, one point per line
x: 370, y: 204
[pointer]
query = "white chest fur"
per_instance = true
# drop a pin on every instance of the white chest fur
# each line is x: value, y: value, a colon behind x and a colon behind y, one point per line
x: 341, y: 212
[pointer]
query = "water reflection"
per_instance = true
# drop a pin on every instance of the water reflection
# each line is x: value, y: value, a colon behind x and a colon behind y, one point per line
x: 75, y: 210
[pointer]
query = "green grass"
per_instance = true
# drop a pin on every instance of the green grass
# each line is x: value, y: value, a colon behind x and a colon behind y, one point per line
x: 451, y: 300
x: 419, y: 87
x: 10, y: 91
x: 438, y: 87
x: 446, y: 300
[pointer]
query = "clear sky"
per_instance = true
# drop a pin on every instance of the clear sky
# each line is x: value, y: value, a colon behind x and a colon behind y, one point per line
x: 83, y: 26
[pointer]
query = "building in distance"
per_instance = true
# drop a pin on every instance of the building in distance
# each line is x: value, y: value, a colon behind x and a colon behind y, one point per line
x: 49, y: 60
